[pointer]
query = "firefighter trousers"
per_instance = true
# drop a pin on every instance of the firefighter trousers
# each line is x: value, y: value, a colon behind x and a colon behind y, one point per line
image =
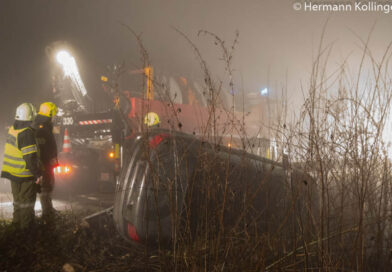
x: 24, y: 194
x: 47, y: 187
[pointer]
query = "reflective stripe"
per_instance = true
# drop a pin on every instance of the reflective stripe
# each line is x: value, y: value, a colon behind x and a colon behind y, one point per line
x: 21, y: 206
x: 24, y: 174
x: 13, y: 158
x: 17, y: 166
x: 29, y: 149
x: 11, y: 140
x: 14, y: 132
x: 24, y: 206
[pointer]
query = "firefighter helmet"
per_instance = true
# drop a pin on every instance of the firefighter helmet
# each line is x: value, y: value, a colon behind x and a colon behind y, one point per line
x: 25, y: 112
x: 151, y: 119
x: 48, y: 109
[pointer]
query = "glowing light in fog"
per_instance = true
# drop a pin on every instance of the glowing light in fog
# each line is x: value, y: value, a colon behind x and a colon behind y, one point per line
x: 71, y: 70
x: 62, y: 170
x: 264, y: 92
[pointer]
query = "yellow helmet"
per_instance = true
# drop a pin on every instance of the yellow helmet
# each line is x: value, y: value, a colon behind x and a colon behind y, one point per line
x: 48, y: 109
x: 151, y: 119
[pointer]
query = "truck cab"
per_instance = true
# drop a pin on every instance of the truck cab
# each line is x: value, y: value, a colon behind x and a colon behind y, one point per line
x: 90, y: 149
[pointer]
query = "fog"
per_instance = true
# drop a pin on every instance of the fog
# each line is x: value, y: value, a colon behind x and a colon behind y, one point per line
x: 275, y: 49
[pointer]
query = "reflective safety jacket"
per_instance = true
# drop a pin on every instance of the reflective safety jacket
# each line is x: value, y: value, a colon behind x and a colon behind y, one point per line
x: 20, y: 155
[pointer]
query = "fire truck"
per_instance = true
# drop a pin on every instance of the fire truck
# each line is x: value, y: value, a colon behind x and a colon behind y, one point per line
x: 91, y: 140
x: 90, y: 153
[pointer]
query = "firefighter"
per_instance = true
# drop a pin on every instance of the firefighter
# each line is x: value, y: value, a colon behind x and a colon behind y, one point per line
x: 48, y: 155
x: 151, y: 120
x: 21, y: 166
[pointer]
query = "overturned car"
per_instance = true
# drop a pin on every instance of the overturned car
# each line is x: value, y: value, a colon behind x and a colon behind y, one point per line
x: 177, y: 187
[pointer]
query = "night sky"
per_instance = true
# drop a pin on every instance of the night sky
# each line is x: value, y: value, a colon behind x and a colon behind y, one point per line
x: 276, y: 43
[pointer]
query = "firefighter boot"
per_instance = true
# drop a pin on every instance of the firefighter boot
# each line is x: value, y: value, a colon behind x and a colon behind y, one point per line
x: 48, y: 212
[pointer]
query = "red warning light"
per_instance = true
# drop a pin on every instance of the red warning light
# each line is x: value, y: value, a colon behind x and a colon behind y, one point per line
x: 132, y: 233
x: 62, y: 170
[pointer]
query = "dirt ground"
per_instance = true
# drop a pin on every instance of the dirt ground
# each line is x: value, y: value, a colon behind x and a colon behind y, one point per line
x: 69, y: 244
x: 63, y: 201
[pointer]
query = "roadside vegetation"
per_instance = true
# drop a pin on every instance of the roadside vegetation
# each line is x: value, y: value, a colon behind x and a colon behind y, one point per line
x: 70, y: 244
